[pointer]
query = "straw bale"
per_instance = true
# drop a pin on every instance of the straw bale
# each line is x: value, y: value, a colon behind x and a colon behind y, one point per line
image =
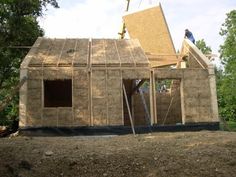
x: 34, y: 94
x: 169, y: 73
x: 81, y: 102
x: 191, y: 82
x: 50, y: 73
x: 41, y: 52
x: 113, y: 73
x: 98, y: 87
x: 113, y: 83
x: 189, y: 93
x: 34, y: 122
x: 64, y: 73
x: 98, y: 52
x: 98, y: 93
x: 99, y: 102
x: 35, y: 73
x: 129, y: 74
x: 81, y: 117
x: 205, y: 101
x: 113, y: 92
x: 22, y: 108
x: 138, y: 54
x: 99, y: 116
x: 81, y: 84
x: 191, y: 118
x: 81, y: 79
x: 143, y: 74
x: 34, y: 84
x: 33, y: 104
x: 111, y: 51
x: 113, y: 99
x: 50, y: 117
x: 135, y: 74
x: 54, y: 52
x: 204, y: 92
x: 190, y: 102
x: 81, y: 52
x: 22, y: 121
x: 34, y: 113
x: 115, y: 116
x: 192, y: 63
x: 65, y: 117
x: 98, y: 74
x: 125, y: 54
x: 54, y: 73
x: 195, y: 73
x: 80, y: 93
x: 80, y: 74
x: 193, y: 110
x: 33, y: 116
x: 205, y: 114
x: 68, y: 52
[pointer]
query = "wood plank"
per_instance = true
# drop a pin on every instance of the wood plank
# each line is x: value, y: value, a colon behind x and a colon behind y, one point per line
x: 150, y: 28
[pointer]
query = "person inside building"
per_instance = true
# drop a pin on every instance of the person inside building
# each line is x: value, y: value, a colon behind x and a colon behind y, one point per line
x: 189, y: 35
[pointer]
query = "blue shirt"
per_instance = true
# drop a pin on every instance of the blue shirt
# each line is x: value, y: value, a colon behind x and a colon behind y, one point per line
x: 189, y: 35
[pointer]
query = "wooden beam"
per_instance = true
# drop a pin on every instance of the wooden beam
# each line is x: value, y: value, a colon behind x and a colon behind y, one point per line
x: 138, y: 86
x: 127, y: 104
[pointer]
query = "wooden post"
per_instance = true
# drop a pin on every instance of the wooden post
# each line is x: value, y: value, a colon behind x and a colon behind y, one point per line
x: 151, y: 99
x: 154, y: 97
x: 182, y: 100
x: 212, y: 83
x: 127, y: 103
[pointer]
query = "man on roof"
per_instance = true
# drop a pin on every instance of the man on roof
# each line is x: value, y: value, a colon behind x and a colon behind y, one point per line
x: 189, y: 35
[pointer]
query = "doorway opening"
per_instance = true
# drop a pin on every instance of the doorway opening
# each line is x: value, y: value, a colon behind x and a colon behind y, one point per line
x: 138, y: 95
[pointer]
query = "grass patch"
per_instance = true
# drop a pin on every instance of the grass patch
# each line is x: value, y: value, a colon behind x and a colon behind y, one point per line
x: 232, y: 125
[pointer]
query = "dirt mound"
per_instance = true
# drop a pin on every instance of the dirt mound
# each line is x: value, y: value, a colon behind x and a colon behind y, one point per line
x: 159, y: 154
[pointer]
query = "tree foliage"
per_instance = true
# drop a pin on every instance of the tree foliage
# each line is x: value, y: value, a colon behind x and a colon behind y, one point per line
x: 227, y: 83
x: 18, y: 27
x: 201, y: 44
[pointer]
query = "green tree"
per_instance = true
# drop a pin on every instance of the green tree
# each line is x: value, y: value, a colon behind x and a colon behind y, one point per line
x: 201, y: 44
x: 18, y: 27
x: 227, y: 84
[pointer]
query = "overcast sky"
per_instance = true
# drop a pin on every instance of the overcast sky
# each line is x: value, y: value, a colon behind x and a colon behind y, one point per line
x: 103, y: 18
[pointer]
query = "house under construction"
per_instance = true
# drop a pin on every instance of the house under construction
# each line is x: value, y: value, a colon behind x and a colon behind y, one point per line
x: 118, y: 82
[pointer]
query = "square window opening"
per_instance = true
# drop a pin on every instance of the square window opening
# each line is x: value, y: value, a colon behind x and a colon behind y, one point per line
x: 58, y: 93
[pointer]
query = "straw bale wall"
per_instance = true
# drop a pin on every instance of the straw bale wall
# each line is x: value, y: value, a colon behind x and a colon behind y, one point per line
x: 34, y: 97
x: 81, y: 97
x: 195, y: 93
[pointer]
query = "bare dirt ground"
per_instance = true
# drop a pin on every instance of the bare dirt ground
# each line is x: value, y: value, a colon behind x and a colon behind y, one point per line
x: 191, y: 154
